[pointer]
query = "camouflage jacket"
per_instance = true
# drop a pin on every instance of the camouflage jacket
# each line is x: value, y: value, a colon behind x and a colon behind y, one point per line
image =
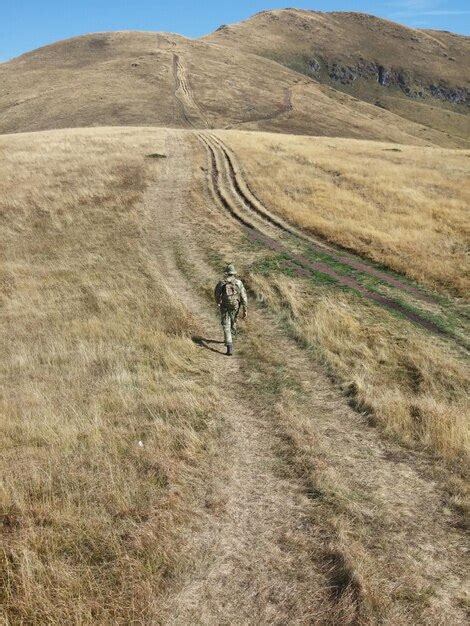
x: 238, y: 283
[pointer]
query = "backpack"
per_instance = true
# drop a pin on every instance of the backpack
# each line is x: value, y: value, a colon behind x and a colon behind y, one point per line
x: 230, y: 296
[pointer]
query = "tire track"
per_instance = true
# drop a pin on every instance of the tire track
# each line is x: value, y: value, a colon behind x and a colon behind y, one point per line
x: 315, y: 244
x: 232, y: 193
x: 189, y: 108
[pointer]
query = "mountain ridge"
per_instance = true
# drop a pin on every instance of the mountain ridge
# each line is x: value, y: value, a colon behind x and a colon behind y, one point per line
x: 130, y: 78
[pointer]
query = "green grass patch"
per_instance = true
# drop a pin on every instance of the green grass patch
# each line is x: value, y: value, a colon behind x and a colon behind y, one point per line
x: 274, y: 263
x: 323, y: 257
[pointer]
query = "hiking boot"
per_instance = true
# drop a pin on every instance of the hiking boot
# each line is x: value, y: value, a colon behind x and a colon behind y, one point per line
x: 229, y: 349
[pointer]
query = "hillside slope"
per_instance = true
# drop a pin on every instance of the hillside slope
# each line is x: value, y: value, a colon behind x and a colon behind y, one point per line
x: 135, y: 78
x: 421, y: 75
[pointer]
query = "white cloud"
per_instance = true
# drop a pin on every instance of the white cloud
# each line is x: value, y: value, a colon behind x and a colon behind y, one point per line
x: 414, y: 5
x: 412, y: 14
x: 445, y: 12
x: 418, y: 8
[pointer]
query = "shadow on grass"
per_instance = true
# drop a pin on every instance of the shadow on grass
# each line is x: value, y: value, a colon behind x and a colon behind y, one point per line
x: 206, y: 343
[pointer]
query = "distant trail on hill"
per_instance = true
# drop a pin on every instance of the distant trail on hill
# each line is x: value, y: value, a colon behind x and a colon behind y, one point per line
x: 234, y: 195
x: 190, y: 109
x: 285, y: 108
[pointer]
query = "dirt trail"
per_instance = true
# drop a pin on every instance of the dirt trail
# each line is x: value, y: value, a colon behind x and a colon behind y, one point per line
x: 234, y: 194
x: 189, y: 108
x: 260, y: 550
x: 241, y: 572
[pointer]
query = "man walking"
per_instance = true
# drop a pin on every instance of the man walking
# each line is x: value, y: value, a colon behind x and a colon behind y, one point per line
x: 230, y: 296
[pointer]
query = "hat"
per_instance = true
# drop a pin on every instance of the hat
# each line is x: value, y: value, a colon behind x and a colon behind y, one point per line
x: 230, y: 270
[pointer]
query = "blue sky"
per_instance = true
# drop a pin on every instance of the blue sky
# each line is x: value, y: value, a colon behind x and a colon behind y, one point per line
x: 28, y: 24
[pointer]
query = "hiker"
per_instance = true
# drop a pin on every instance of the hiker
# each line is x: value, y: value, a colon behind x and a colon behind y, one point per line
x: 230, y: 296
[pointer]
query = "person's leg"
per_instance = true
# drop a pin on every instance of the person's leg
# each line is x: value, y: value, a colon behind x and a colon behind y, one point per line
x: 226, y: 321
x: 232, y: 321
x: 234, y: 316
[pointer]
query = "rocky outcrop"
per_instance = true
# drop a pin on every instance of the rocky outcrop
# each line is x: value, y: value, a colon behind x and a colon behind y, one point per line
x: 411, y: 86
x: 314, y: 66
x: 457, y: 95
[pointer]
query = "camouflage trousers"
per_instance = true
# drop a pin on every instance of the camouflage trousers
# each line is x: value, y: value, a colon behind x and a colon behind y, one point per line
x: 228, y: 320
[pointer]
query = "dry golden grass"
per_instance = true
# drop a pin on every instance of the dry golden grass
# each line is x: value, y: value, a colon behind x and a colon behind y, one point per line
x: 415, y: 388
x: 96, y: 356
x: 449, y: 120
x: 403, y: 206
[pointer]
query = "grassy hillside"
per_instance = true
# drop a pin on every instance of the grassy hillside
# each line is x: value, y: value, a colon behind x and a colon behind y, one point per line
x: 371, y: 58
x: 157, y: 79
x: 247, y: 466
x: 392, y: 204
x: 353, y: 36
